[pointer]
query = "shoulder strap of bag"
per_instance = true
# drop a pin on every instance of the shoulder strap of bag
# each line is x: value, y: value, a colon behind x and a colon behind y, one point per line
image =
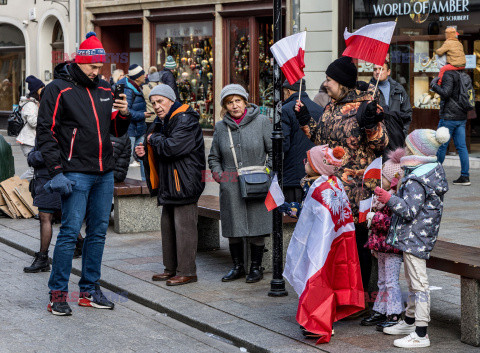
x: 232, y: 147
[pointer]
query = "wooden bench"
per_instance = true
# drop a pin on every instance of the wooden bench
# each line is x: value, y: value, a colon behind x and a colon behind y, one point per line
x: 463, y: 261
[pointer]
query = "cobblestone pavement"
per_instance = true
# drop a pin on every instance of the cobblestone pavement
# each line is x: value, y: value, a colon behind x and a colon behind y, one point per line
x: 130, y: 327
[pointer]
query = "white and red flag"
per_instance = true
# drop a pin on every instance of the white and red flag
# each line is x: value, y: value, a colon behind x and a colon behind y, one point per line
x: 374, y: 170
x: 290, y: 55
x: 363, y: 209
x: 275, y: 196
x: 370, y: 43
x: 322, y: 260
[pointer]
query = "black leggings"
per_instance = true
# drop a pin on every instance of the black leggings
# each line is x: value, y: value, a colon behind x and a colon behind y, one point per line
x: 364, y: 254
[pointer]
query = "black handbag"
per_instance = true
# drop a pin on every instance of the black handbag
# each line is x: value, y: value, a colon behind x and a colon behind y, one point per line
x: 15, y: 122
x: 254, y: 181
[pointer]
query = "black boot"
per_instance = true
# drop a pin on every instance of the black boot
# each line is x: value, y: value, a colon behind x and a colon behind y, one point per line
x: 390, y: 321
x: 40, y: 263
x: 238, y: 271
x: 256, y: 269
x: 373, y: 319
x: 78, y: 248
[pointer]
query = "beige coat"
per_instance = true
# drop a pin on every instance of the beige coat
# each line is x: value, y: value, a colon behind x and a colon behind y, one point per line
x: 146, y: 89
x: 453, y: 48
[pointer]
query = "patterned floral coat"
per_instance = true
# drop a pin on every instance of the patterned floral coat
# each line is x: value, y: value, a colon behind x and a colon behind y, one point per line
x: 379, y: 230
x: 338, y: 126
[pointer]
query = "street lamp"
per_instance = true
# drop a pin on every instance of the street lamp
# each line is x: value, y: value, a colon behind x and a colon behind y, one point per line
x: 277, y: 285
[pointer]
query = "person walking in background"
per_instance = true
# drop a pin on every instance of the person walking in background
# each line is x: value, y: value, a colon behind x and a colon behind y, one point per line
x: 454, y: 118
x: 396, y: 107
x: 117, y: 75
x: 252, y: 144
x: 174, y: 161
x: 417, y: 211
x: 137, y: 107
x: 30, y: 105
x: 352, y: 120
x: 167, y: 77
x: 154, y: 80
x: 295, y: 143
x: 74, y: 125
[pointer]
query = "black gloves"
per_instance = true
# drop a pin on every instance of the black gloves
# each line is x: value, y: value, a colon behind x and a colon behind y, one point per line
x: 369, y: 118
x: 303, y: 116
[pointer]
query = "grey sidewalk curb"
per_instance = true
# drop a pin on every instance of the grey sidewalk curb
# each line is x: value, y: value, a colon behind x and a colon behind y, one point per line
x: 240, y: 332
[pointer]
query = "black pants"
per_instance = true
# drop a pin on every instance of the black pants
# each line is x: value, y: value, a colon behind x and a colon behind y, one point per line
x: 364, y: 254
x: 293, y: 194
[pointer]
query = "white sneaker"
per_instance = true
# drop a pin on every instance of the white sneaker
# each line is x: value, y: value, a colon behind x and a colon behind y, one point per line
x: 134, y: 164
x: 412, y: 341
x: 402, y: 328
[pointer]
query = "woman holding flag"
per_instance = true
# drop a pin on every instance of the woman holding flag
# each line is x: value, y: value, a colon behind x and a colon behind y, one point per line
x: 352, y: 120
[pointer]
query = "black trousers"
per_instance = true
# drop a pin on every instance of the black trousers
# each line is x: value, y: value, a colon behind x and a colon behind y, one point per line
x: 364, y: 254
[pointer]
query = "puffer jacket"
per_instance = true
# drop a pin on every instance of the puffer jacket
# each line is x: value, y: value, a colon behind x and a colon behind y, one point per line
x: 174, y: 160
x: 417, y: 209
x: 449, y: 92
x: 122, y: 148
x: 137, y: 107
x: 295, y: 143
x: 29, y: 116
x: 338, y: 126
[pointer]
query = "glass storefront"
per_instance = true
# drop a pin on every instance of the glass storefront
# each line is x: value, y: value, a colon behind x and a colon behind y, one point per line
x: 191, y: 46
x: 12, y: 66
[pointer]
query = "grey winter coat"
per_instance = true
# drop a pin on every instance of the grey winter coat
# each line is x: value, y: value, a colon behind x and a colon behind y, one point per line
x: 417, y: 210
x: 252, y: 141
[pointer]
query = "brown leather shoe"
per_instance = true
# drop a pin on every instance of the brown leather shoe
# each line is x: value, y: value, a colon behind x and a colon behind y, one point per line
x: 179, y: 280
x: 162, y: 276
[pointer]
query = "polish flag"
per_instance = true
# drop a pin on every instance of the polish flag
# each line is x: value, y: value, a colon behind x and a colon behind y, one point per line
x: 364, y: 207
x: 290, y: 54
x: 370, y: 43
x: 322, y: 261
x: 374, y: 170
x: 275, y: 196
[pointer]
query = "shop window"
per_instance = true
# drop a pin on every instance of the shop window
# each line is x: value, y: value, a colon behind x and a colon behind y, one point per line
x: 191, y: 46
x: 57, y: 45
x: 12, y: 66
x: 265, y: 64
x: 240, y: 48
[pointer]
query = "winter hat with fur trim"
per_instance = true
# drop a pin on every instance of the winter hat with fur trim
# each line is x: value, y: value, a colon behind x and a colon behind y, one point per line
x: 425, y: 142
x: 324, y: 160
x: 392, y: 168
x: 90, y: 51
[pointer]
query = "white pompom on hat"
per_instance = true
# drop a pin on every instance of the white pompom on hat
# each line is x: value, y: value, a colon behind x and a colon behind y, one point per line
x: 425, y: 142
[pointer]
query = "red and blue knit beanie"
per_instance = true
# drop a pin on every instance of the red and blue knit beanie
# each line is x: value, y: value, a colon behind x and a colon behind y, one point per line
x: 90, y: 51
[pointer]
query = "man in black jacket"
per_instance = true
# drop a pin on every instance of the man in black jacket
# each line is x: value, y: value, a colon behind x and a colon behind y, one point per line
x: 75, y: 120
x: 453, y: 117
x: 396, y: 106
x: 295, y: 142
x: 174, y: 159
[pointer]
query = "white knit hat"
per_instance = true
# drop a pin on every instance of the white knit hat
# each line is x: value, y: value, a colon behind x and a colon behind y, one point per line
x: 231, y: 89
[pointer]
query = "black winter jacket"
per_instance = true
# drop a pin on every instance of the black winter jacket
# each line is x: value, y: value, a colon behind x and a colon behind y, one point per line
x: 397, y: 115
x: 174, y: 160
x: 449, y: 92
x: 122, y: 149
x: 75, y: 120
x: 296, y: 143
x: 41, y: 198
x: 167, y: 78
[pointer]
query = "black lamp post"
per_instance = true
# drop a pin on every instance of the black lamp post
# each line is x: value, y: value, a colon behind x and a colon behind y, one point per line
x: 277, y: 285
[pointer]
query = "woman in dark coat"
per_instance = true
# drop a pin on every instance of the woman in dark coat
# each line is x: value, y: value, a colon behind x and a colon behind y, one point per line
x: 48, y: 205
x: 251, y: 135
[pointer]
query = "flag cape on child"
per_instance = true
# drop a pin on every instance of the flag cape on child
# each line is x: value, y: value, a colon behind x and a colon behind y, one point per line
x: 290, y: 55
x: 370, y: 43
x: 322, y: 261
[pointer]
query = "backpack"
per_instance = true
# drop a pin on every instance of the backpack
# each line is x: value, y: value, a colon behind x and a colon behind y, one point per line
x: 15, y: 122
x: 466, y: 94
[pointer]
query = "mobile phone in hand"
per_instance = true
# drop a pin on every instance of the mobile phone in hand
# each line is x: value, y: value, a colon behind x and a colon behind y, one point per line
x: 119, y: 89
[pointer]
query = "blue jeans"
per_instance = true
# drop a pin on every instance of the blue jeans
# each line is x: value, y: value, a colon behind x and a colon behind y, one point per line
x: 457, y: 132
x: 135, y: 141
x: 91, y: 199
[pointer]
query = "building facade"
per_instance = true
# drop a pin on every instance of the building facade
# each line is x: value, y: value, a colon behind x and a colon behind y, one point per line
x: 214, y: 43
x: 34, y: 36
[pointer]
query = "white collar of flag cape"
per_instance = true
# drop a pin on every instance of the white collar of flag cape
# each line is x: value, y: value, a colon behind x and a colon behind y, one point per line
x: 370, y: 43
x: 373, y: 171
x: 289, y: 53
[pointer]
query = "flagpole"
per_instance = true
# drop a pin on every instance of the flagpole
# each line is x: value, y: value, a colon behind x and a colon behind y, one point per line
x: 277, y: 284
